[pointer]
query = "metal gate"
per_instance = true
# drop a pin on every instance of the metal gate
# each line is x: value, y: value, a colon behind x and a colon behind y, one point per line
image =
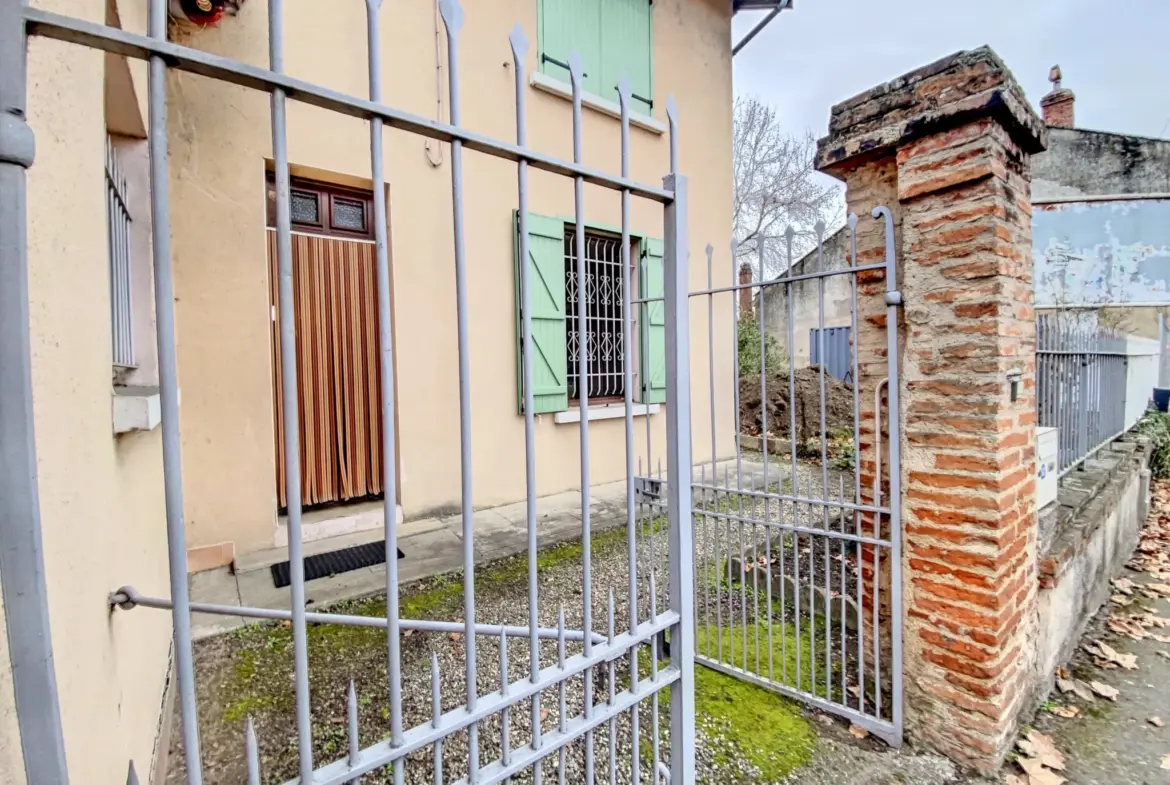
x: 598, y: 654
x: 798, y: 552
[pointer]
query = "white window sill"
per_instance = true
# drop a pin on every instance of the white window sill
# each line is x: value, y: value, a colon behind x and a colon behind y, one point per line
x: 605, y: 412
x: 548, y: 84
x: 136, y: 409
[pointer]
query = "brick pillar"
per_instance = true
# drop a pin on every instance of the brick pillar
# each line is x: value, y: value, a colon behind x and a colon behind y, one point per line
x: 745, y: 295
x: 947, y: 148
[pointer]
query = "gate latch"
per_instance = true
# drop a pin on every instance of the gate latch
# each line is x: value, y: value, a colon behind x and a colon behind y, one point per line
x: 647, y: 490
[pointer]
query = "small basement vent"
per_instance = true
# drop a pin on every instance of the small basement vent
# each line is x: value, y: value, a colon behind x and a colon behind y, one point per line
x: 322, y: 565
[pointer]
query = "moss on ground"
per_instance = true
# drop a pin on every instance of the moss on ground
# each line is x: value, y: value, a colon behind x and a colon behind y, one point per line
x: 767, y: 730
x: 788, y: 650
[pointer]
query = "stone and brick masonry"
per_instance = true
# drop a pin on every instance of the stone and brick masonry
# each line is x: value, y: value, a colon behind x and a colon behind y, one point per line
x: 947, y: 149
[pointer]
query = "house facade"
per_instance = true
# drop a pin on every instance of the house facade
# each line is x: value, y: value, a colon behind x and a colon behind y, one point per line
x: 94, y: 361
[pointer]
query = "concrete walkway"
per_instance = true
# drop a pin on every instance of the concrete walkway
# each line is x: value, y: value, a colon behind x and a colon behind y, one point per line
x: 433, y: 546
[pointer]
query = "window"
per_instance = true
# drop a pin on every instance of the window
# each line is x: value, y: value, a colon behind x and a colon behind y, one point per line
x: 556, y: 303
x: 318, y: 208
x: 604, y: 312
x: 118, y: 237
x: 613, y: 37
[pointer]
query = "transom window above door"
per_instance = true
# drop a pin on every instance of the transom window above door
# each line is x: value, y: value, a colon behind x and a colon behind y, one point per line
x: 613, y: 37
x: 322, y: 208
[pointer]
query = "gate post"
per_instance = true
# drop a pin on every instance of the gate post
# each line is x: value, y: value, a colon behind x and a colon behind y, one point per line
x: 947, y: 148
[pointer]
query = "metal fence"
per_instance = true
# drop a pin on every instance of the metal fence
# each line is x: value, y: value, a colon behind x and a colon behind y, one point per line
x: 1082, y: 383
x: 835, y: 344
x: 798, y: 559
x: 651, y: 616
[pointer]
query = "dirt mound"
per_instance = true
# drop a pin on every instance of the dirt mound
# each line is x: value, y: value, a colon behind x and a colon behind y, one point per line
x: 807, y: 388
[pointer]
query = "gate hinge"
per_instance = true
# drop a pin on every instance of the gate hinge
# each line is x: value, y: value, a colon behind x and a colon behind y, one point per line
x: 894, y: 298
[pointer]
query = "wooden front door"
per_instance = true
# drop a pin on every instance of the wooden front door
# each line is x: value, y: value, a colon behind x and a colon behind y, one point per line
x: 336, y: 306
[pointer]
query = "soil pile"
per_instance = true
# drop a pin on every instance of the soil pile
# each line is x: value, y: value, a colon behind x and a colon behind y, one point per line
x: 807, y: 388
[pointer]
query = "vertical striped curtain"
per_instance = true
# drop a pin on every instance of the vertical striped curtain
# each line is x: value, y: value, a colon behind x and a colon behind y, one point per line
x: 336, y: 305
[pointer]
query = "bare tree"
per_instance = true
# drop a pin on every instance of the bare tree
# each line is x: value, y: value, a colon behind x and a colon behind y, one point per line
x: 776, y: 187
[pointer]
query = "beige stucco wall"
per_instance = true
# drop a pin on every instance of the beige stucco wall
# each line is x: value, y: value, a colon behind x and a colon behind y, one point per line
x: 220, y: 139
x: 100, y: 496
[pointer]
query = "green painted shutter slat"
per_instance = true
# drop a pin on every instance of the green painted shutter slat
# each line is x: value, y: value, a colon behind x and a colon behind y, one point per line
x: 566, y: 25
x: 652, y: 323
x: 546, y: 293
x: 627, y: 47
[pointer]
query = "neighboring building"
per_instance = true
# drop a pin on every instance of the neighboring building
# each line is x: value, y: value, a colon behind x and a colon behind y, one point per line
x: 92, y: 311
x: 1084, y: 177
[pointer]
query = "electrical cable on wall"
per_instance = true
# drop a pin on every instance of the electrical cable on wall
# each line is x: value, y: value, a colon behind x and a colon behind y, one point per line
x: 429, y: 143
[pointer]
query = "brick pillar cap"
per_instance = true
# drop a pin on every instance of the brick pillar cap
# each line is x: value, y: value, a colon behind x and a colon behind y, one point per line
x: 950, y: 92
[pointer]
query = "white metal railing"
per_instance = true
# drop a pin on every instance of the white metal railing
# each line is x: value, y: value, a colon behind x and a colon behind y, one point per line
x: 1093, y: 382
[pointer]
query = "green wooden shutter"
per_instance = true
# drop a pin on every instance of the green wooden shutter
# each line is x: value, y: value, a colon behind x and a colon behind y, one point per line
x: 627, y: 47
x: 652, y: 323
x: 546, y: 293
x: 566, y: 25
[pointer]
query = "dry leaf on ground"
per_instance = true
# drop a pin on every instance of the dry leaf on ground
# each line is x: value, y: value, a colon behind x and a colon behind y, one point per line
x: 1068, y: 712
x: 1104, y: 690
x: 1165, y: 654
x: 1038, y: 774
x: 1109, y: 654
x: 1039, y: 746
x: 1124, y: 585
x: 1012, y: 779
x: 1161, y: 588
x: 1156, y: 722
x: 1120, y: 599
x: 1166, y: 762
x: 858, y: 732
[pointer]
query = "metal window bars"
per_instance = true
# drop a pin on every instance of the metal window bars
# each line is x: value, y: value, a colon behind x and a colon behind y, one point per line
x: 604, y: 315
x: 22, y: 573
x: 1081, y: 383
x: 118, y: 237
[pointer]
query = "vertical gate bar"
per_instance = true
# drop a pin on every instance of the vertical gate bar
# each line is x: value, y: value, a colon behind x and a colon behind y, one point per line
x: 436, y: 714
x: 351, y: 716
x: 855, y: 352
x: 623, y: 89
x: 718, y: 525
x: 655, y: 654
x: 841, y: 528
x: 386, y: 383
x: 678, y: 437
x: 764, y: 450
x: 22, y: 567
x: 893, y: 300
x: 562, y: 706
x: 789, y: 234
x: 707, y: 520
x: 612, y: 694
x: 819, y: 227
x: 755, y: 574
x: 506, y: 714
x: 164, y: 300
x: 519, y: 44
x: 452, y: 14
x: 576, y: 76
x: 288, y: 383
x: 252, y: 753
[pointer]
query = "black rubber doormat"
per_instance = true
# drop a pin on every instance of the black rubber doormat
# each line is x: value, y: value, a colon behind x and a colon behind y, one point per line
x: 335, y: 562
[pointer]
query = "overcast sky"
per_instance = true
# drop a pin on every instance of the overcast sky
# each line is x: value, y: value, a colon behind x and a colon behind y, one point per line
x: 1115, y: 54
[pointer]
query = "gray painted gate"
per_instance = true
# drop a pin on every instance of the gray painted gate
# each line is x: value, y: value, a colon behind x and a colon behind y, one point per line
x: 777, y: 516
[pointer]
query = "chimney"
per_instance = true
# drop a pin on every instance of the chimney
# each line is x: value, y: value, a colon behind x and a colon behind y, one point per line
x: 1057, y: 106
x: 745, y: 295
